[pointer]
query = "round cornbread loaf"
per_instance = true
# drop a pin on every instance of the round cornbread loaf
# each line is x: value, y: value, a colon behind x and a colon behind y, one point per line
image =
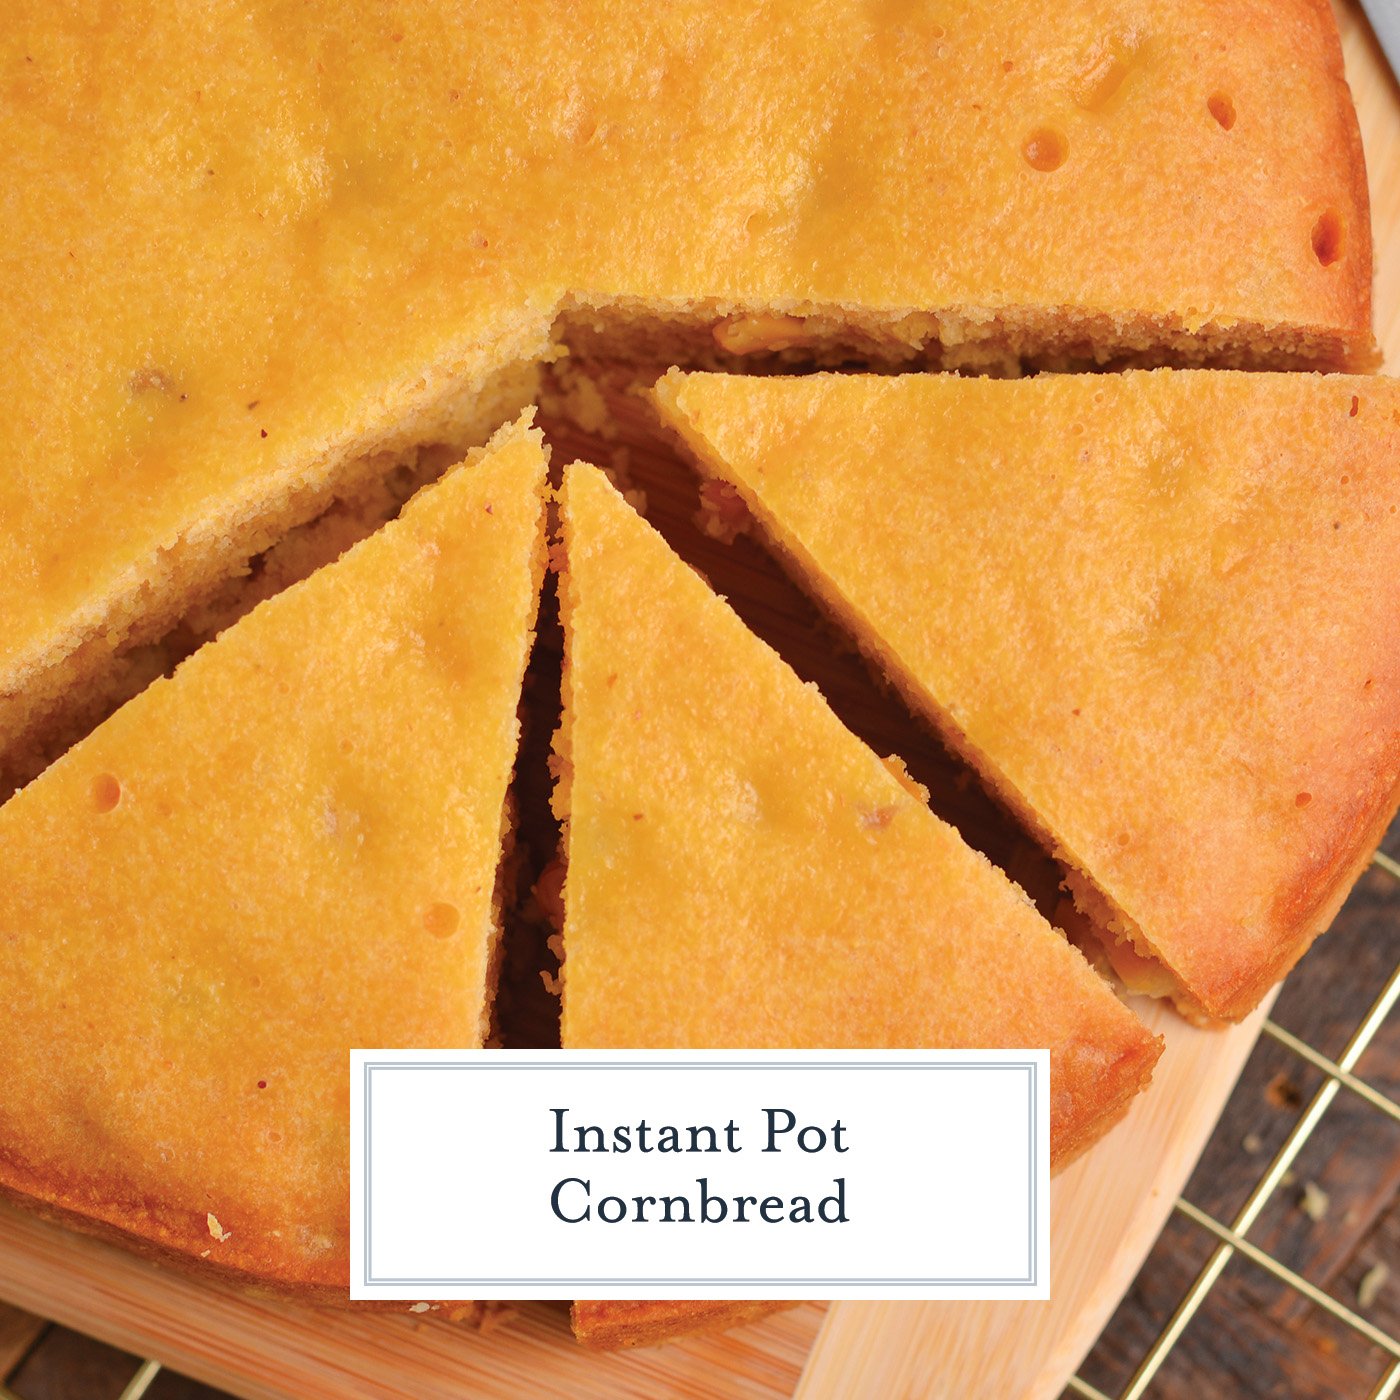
x: 257, y: 251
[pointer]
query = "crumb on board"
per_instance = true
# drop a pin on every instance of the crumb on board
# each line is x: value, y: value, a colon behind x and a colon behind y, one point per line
x: 722, y: 514
x: 1314, y: 1201
x: 215, y: 1229
x: 1282, y: 1092
x: 1372, y: 1281
x: 1253, y: 1144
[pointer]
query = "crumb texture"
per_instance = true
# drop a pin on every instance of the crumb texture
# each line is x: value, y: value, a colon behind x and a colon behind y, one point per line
x: 287, y: 850
x: 743, y: 872
x: 224, y: 293
x: 1155, y: 610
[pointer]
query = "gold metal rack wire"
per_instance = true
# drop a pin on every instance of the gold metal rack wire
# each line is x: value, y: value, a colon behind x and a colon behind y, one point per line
x: 1231, y: 1239
x: 134, y: 1389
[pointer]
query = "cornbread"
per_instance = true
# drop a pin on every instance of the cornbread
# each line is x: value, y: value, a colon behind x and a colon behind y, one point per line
x: 255, y: 253
x: 1155, y: 610
x: 610, y: 1325
x: 287, y: 850
x: 95, y: 680
x: 743, y: 872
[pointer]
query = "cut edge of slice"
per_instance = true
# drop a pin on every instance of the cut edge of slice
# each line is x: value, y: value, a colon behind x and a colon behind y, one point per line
x: 53, y: 696
x: 620, y: 1324
x: 521, y: 429
x: 732, y: 335
x: 1069, y: 1146
x: 1112, y: 936
x: 607, y: 1325
x: 140, y: 1230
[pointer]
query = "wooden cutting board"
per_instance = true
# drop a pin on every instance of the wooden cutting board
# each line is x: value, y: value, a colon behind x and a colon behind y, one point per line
x: 1106, y: 1210
x: 1105, y: 1213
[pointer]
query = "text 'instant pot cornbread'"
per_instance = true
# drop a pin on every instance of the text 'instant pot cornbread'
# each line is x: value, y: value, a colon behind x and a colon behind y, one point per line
x: 268, y: 268
x: 258, y: 865
x: 254, y: 252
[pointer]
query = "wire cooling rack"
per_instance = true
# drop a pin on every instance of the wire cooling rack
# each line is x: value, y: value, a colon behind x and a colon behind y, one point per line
x: 1233, y: 1238
x: 134, y: 1389
x: 1230, y: 1239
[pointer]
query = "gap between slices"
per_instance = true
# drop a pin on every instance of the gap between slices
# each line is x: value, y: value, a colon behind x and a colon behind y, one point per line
x: 742, y: 871
x: 1088, y: 629
x: 285, y: 864
x: 204, y: 578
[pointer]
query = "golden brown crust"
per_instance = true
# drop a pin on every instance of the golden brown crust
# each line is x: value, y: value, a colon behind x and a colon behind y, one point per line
x: 71, y: 1202
x: 194, y: 363
x: 720, y: 819
x: 205, y: 585
x: 1350, y: 157
x: 258, y: 865
x: 1155, y: 614
x: 260, y: 1277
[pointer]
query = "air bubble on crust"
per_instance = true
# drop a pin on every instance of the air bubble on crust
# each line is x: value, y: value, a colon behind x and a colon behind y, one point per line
x: 441, y: 920
x: 1328, y: 237
x: 106, y: 792
x: 1222, y: 109
x: 1045, y: 149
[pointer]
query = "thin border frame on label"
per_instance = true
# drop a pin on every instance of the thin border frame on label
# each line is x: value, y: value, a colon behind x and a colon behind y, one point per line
x: 1031, y: 1067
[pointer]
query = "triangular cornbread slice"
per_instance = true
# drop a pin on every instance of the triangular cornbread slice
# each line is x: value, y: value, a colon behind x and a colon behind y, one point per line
x: 1156, y: 610
x: 250, y: 261
x: 287, y: 850
x: 742, y: 871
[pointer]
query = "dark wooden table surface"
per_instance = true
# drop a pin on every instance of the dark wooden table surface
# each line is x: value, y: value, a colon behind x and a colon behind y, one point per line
x: 1255, y: 1336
